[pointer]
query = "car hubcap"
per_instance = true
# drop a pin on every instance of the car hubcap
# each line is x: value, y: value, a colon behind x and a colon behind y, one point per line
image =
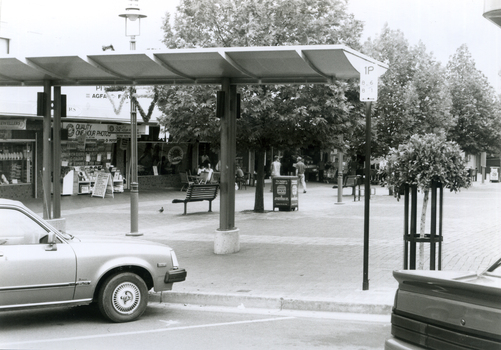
x: 126, y: 297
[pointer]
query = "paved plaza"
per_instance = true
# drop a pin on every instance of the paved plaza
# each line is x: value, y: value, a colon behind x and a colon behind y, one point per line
x: 307, y: 259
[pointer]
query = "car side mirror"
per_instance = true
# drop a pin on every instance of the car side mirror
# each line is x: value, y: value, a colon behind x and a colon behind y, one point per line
x: 51, y: 242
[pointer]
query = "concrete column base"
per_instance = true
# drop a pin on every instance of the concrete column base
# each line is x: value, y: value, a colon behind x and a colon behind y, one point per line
x: 59, y: 224
x: 227, y: 242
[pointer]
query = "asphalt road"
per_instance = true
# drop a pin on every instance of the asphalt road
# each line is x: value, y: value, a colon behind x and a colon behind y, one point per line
x: 177, y: 326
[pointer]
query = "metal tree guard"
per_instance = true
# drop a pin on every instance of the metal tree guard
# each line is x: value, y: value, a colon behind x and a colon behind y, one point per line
x: 411, y: 237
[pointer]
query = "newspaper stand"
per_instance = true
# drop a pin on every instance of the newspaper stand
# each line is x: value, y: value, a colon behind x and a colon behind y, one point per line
x: 285, y: 193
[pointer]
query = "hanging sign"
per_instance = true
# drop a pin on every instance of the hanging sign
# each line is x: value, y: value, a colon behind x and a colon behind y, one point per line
x: 103, y: 186
x: 368, y: 83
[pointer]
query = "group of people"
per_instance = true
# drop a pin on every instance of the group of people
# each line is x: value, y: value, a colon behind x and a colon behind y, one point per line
x: 300, y: 169
x: 205, y: 171
x: 275, y: 171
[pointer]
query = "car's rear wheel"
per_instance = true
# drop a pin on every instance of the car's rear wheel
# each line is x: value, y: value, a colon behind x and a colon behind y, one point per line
x: 123, y: 297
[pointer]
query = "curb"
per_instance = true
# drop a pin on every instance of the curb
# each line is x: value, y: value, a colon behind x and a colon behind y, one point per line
x: 262, y: 302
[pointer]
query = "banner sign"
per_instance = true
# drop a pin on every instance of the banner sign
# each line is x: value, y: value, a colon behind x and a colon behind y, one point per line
x: 89, y: 132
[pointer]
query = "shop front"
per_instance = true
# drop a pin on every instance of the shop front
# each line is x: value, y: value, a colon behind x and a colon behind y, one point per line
x: 160, y: 162
x: 20, y: 152
x: 93, y: 148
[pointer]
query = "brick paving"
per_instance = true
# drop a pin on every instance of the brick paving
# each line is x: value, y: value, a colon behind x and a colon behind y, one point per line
x: 315, y: 253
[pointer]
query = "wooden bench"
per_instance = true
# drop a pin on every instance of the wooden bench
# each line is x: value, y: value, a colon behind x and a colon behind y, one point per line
x: 352, y: 181
x: 198, y: 193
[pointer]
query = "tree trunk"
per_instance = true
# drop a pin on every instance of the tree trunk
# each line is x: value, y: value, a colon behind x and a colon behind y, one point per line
x: 422, y: 228
x: 259, y: 196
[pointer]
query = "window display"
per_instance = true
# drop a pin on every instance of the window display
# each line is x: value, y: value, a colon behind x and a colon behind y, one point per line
x: 16, y: 163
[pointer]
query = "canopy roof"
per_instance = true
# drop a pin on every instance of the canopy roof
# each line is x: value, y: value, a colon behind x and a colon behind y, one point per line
x: 242, y: 65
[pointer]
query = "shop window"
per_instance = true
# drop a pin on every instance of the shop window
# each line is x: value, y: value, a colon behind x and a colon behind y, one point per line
x: 16, y: 163
x: 161, y: 158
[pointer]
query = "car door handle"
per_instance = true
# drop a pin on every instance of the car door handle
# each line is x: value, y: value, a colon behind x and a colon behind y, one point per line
x: 1, y: 254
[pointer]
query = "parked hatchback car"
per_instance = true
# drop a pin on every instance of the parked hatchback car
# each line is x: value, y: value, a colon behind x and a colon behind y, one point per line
x: 447, y: 310
x: 40, y: 266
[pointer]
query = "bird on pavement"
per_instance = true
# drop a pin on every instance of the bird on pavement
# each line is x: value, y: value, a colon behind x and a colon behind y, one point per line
x: 161, y: 209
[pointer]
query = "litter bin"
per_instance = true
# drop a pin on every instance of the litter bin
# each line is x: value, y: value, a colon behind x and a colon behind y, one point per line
x: 494, y: 174
x: 285, y: 194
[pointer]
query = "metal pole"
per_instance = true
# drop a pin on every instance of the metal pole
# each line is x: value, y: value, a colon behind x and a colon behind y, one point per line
x: 134, y: 188
x: 406, y: 227
x: 433, y: 230
x: 228, y: 152
x: 340, y: 173
x: 134, y: 191
x: 365, y: 285
x: 133, y: 43
x: 412, y: 238
x: 56, y: 151
x: 46, y: 167
x: 440, y: 227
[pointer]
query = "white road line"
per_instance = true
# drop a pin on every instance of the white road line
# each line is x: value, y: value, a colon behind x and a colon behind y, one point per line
x: 146, y: 331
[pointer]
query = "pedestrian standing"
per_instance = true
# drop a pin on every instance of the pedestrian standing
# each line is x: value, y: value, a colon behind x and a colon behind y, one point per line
x: 300, y: 168
x: 239, y: 174
x: 275, y: 170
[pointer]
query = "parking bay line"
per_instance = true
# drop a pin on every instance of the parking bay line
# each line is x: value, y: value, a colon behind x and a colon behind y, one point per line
x: 148, y: 331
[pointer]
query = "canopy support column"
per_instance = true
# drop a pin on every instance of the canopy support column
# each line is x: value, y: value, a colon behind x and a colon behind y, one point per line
x: 46, y: 165
x: 56, y: 151
x: 227, y: 240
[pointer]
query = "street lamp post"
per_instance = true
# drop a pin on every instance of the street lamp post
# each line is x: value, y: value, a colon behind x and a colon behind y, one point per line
x: 133, y: 17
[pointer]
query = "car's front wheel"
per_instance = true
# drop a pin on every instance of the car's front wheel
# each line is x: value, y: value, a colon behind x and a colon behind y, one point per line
x: 123, y: 297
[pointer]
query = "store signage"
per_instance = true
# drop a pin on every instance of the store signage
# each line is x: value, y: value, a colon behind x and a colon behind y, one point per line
x: 103, y: 186
x: 125, y: 129
x: 89, y: 132
x: 13, y: 124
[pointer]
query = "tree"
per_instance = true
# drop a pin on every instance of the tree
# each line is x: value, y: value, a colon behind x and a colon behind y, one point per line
x: 189, y: 113
x: 273, y: 115
x: 474, y: 105
x: 425, y: 159
x: 413, y: 94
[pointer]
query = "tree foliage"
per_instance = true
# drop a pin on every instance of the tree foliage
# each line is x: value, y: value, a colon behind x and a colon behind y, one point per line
x: 424, y: 159
x: 189, y: 113
x: 227, y: 23
x: 273, y: 115
x: 474, y: 106
x: 413, y: 95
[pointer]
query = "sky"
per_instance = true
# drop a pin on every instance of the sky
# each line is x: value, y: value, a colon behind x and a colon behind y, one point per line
x: 83, y: 27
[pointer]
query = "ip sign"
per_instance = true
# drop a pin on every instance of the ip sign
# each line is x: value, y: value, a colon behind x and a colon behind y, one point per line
x: 368, y: 83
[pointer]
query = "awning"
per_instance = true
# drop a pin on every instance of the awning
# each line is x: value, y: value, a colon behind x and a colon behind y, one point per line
x: 242, y: 65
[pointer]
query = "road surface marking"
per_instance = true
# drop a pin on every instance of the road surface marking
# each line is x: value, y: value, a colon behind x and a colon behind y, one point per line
x: 121, y: 334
